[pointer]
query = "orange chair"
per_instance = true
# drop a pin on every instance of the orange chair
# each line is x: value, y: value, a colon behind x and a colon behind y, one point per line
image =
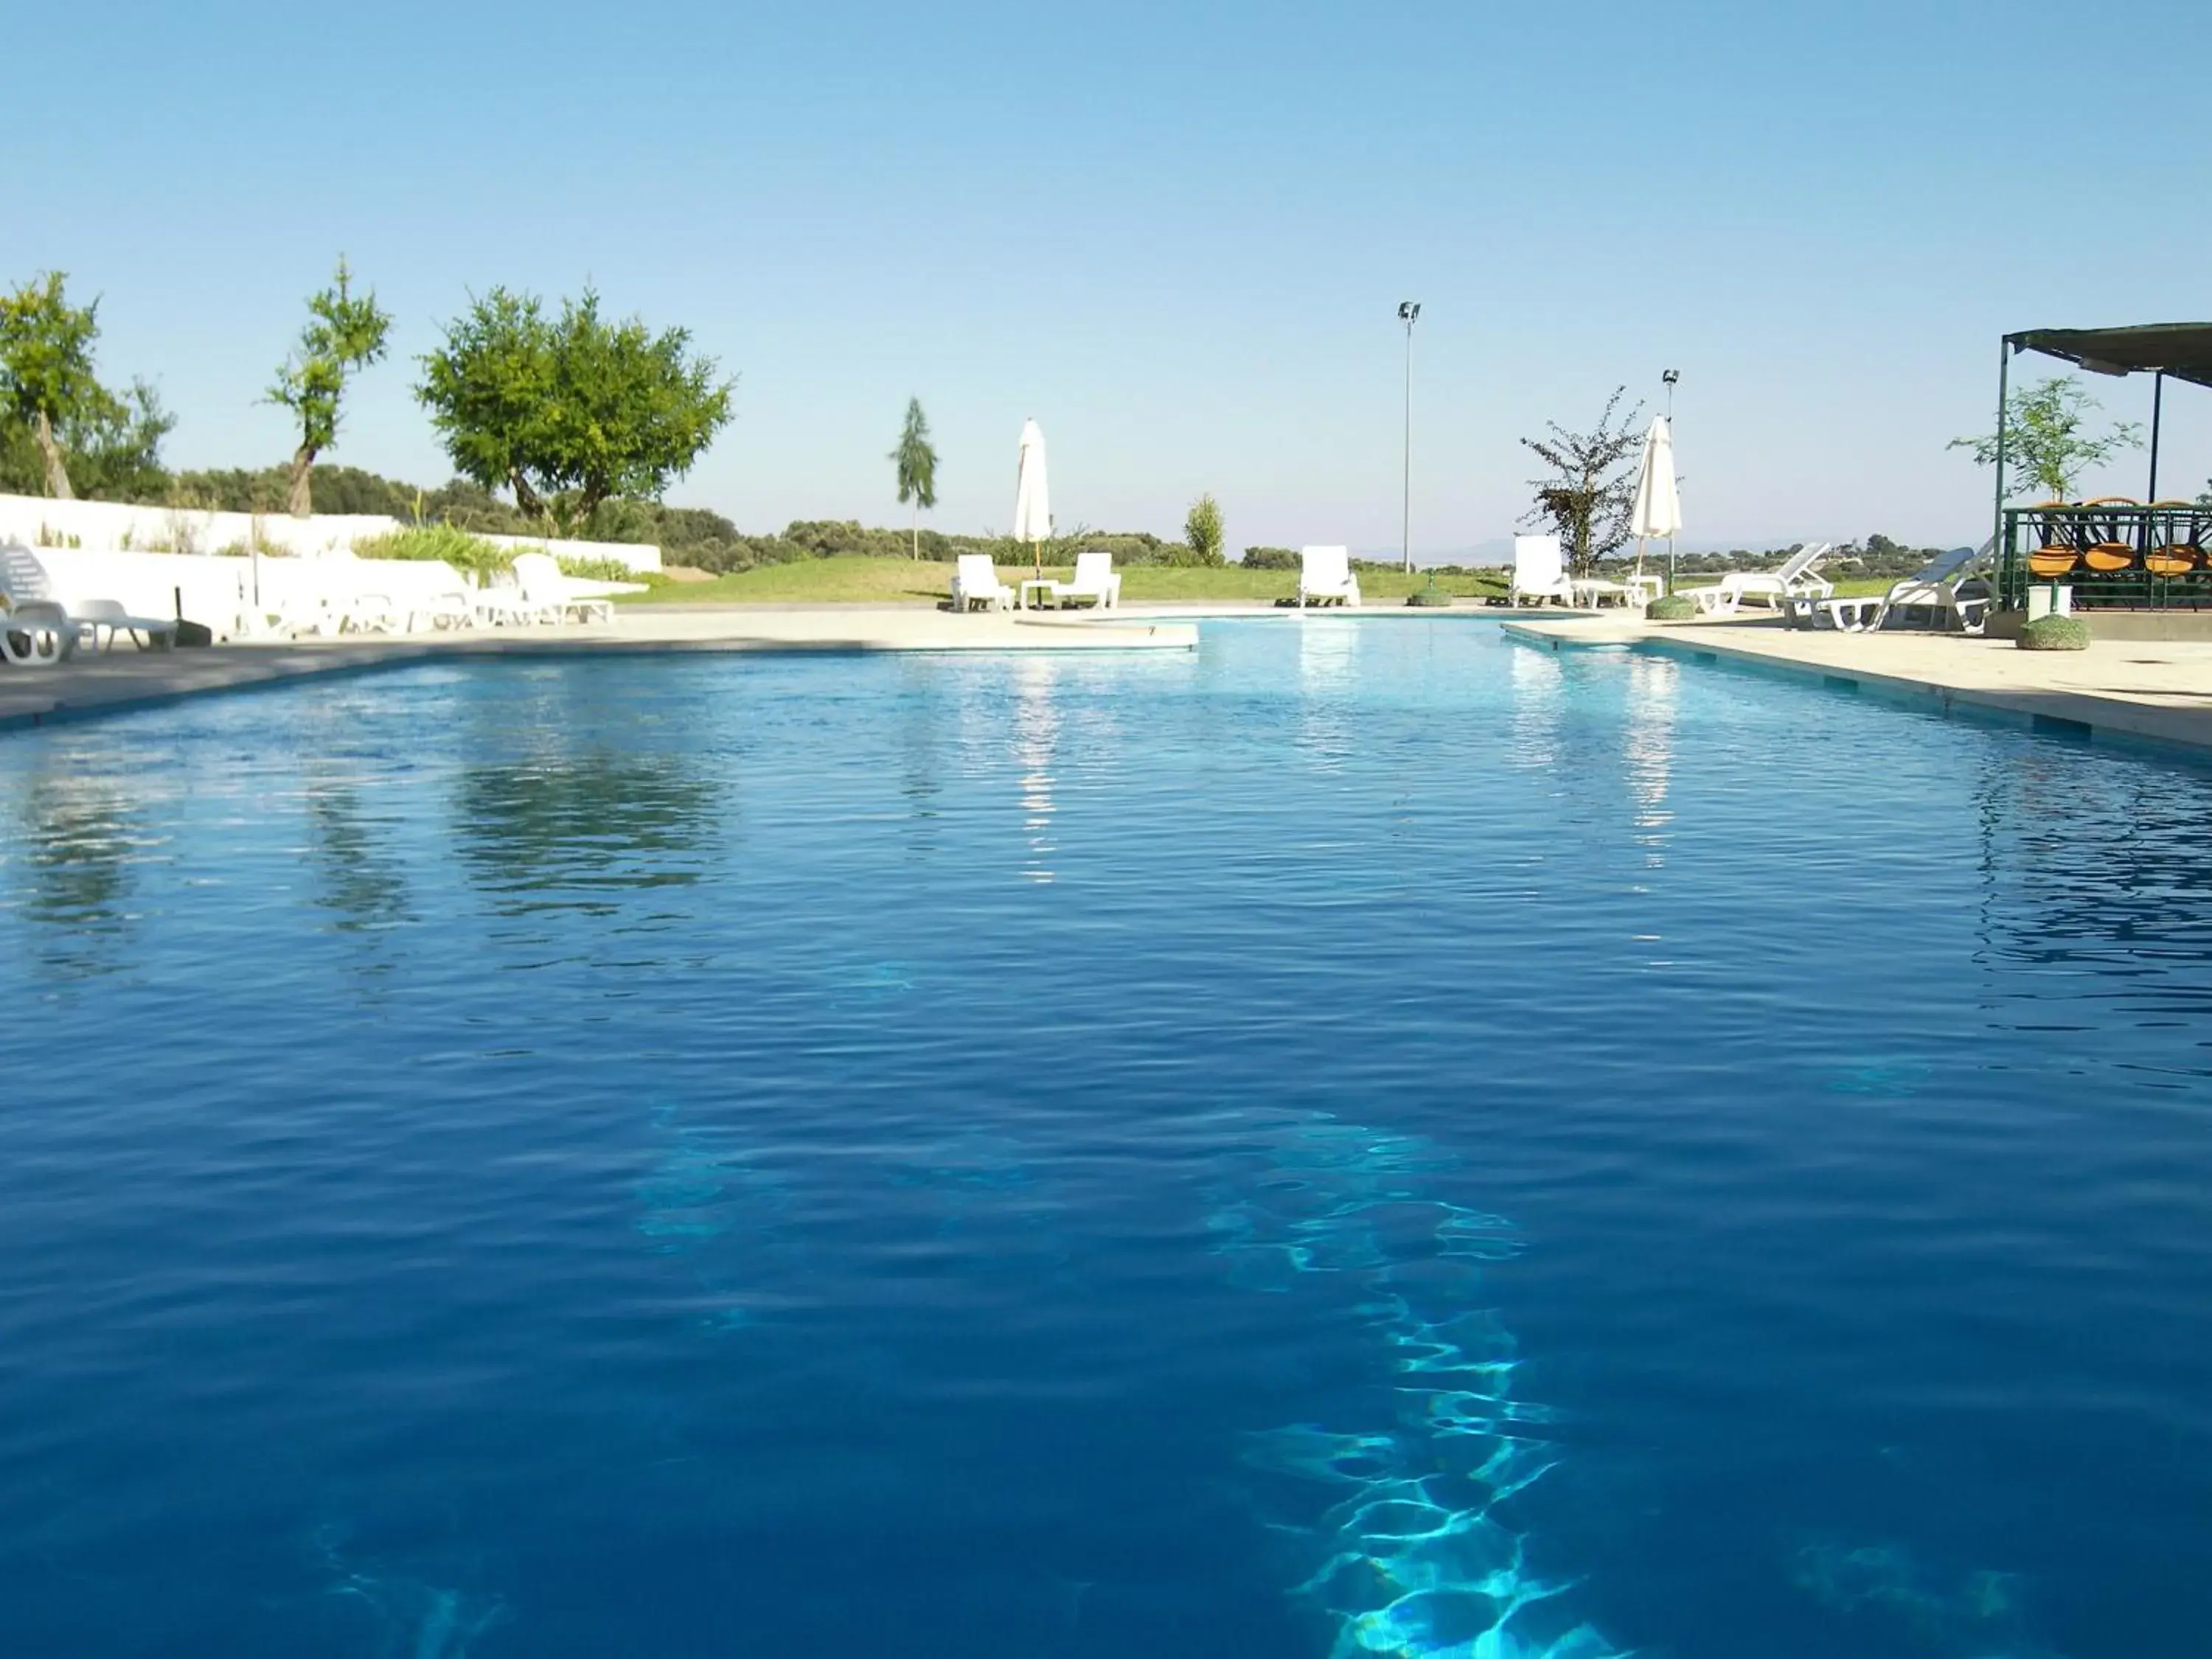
x: 2061, y: 548
x: 2109, y: 551
x: 2177, y: 540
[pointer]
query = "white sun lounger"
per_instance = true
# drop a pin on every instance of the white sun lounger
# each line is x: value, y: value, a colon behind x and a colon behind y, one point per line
x: 553, y: 594
x: 1539, y: 572
x: 1939, y: 588
x: 1094, y: 583
x: 1325, y: 577
x: 975, y: 581
x: 1796, y: 578
x: 45, y: 626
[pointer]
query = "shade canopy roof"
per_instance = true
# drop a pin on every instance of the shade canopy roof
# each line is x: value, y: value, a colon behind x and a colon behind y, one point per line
x: 2181, y: 349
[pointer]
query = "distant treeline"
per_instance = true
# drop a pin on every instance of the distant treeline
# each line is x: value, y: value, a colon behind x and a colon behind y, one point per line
x: 705, y: 540
x: 693, y: 536
x: 1876, y: 556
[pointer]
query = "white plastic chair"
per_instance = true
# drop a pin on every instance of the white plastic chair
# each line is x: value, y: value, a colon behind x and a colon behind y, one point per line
x: 1094, y: 582
x: 44, y: 626
x: 975, y: 581
x: 554, y: 596
x: 1325, y: 577
x: 1539, y: 572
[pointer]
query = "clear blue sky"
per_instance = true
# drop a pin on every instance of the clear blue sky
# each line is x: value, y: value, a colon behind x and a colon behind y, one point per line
x: 1176, y: 234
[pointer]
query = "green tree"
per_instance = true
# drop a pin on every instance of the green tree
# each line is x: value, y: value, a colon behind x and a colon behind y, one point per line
x: 2044, y: 442
x: 1592, y: 491
x: 572, y: 411
x: 343, y: 334
x: 1201, y: 528
x: 916, y: 460
x: 46, y: 382
x: 110, y: 452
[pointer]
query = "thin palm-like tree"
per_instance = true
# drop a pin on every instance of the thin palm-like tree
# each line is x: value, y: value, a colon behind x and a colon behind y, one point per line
x: 916, y: 461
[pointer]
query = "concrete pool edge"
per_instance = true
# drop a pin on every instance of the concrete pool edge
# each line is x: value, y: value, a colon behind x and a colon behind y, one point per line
x: 2035, y: 697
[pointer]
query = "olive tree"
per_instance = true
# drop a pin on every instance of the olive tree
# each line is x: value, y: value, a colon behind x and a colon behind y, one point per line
x: 573, y: 410
x: 46, y: 382
x: 343, y: 334
x: 1591, y: 492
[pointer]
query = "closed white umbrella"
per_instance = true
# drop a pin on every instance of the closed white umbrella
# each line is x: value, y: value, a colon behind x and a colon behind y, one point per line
x: 1032, y: 503
x: 1658, y: 509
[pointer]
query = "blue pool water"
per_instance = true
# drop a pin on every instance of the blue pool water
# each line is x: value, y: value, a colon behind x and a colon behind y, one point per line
x: 1368, y: 1139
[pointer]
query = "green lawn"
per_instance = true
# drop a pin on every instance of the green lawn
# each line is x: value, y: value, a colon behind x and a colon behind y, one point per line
x: 855, y: 581
x: 892, y: 581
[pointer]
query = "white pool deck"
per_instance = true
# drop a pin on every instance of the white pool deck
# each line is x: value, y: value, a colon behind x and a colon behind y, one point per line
x: 2160, y: 692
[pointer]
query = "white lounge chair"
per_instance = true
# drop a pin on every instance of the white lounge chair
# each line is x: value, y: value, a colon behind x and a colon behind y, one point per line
x: 1591, y: 592
x: 1094, y: 583
x: 975, y: 581
x: 551, y: 592
x: 1944, y: 590
x: 45, y: 625
x: 1796, y: 578
x: 341, y: 600
x: 1325, y: 577
x: 1539, y: 572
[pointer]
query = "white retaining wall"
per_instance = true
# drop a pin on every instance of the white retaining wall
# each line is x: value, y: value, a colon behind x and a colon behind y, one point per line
x: 37, y: 521
x: 214, y: 591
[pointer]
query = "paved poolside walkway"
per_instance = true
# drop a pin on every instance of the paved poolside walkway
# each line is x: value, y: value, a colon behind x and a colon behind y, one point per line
x: 2132, y: 688
x: 124, y: 678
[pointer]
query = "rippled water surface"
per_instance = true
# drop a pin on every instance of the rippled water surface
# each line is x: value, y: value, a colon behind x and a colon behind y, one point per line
x: 1367, y: 1139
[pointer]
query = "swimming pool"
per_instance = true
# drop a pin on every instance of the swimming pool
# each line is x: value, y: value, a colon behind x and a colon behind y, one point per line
x: 1359, y: 1138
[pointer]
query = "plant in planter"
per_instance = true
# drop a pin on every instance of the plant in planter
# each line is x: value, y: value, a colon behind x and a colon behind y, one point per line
x: 2055, y: 634
x: 1671, y: 607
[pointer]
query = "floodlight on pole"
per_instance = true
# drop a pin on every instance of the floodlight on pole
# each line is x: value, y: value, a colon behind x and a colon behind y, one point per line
x: 1670, y: 379
x: 1409, y: 313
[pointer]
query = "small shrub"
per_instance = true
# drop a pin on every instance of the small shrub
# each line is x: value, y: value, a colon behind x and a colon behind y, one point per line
x: 440, y: 541
x: 1271, y: 558
x: 1201, y: 532
x: 1671, y: 607
x: 2055, y: 634
x: 597, y: 570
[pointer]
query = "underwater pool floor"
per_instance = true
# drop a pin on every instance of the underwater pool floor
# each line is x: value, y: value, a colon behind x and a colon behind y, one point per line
x: 1360, y: 1138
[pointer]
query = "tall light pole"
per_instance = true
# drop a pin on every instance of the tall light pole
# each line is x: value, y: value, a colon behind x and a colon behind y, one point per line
x: 1670, y: 379
x: 1409, y: 313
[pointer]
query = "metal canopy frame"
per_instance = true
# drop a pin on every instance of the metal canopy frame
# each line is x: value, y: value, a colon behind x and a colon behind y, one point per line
x: 2181, y: 350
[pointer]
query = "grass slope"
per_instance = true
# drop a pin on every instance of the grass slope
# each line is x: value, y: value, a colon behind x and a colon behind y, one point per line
x: 860, y: 580
x: 892, y: 581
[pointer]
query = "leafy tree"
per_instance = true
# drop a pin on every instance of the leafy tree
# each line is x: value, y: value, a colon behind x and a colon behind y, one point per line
x: 916, y: 460
x: 1591, y: 493
x: 110, y: 452
x: 572, y: 411
x: 2044, y: 442
x: 343, y: 334
x: 46, y: 382
x: 1201, y: 528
